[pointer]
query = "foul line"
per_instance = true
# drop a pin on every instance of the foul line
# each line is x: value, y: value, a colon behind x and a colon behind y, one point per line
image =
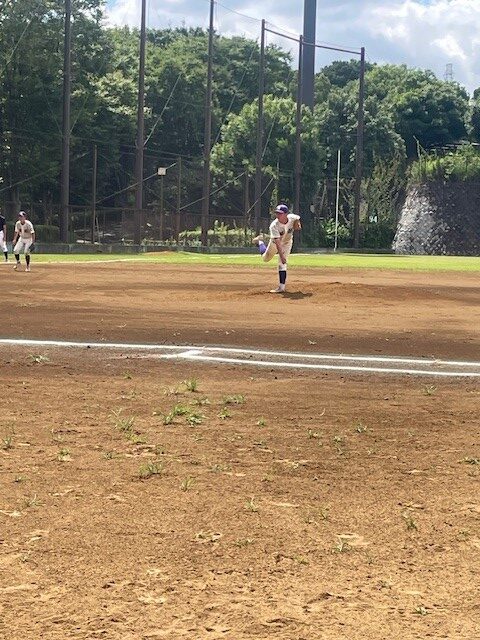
x: 200, y: 354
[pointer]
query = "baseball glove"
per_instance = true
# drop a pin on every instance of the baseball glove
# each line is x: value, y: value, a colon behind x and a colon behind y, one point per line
x: 297, y: 225
x: 32, y: 248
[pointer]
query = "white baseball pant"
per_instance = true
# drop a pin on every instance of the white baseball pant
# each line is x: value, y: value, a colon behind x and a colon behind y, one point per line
x: 272, y: 251
x: 23, y: 243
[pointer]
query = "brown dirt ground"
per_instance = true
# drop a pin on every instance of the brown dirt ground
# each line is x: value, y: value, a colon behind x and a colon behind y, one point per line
x: 322, y: 506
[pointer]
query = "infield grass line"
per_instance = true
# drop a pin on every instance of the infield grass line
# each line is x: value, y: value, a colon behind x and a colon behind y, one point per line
x: 311, y: 260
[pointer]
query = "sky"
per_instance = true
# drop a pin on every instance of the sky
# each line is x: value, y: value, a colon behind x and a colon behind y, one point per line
x: 429, y: 34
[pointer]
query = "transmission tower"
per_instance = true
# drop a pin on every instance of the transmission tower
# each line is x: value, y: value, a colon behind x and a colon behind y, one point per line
x: 448, y: 75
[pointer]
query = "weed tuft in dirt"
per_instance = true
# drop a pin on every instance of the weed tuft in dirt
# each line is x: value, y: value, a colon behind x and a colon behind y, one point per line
x: 250, y: 505
x: 191, y: 385
x: 409, y: 521
x: 38, y: 358
x: 194, y: 418
x: 187, y: 483
x: 151, y: 469
x: 429, y: 389
x: 235, y: 399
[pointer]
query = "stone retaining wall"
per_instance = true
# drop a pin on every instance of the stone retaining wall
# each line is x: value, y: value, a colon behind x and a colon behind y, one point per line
x: 440, y: 219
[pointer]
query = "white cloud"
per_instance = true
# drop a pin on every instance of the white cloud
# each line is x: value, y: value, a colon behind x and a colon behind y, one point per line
x: 421, y: 33
x: 429, y: 35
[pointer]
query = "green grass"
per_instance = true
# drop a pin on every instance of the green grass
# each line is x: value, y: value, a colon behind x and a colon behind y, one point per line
x: 333, y: 261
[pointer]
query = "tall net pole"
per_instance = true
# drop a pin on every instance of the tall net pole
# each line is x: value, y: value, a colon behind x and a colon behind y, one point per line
x: 298, y: 134
x: 137, y: 233
x: 65, y: 178
x: 207, y: 147
x: 359, y: 152
x: 308, y: 65
x: 260, y: 132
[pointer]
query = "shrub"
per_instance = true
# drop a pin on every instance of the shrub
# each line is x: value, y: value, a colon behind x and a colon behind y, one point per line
x: 459, y: 165
x: 46, y: 233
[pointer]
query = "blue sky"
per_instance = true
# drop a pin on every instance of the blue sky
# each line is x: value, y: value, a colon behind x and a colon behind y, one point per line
x: 421, y: 33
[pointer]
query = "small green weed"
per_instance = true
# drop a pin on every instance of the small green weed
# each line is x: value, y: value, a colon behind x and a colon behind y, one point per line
x: 429, y: 389
x: 32, y: 502
x: 208, y: 536
x: 235, y: 399
x: 251, y: 506
x: 194, y: 418
x: 173, y: 391
x: 177, y: 410
x: 150, y: 469
x: 420, y: 610
x: 220, y: 468
x: 38, y: 358
x: 7, y: 442
x: 243, y: 542
x: 191, y: 385
x: 224, y: 414
x: 342, y: 546
x: 187, y: 483
x: 262, y: 422
x: 361, y: 428
x: 64, y: 455
x: 470, y: 460
x: 200, y: 402
x: 463, y: 534
x: 409, y: 521
x: 121, y: 423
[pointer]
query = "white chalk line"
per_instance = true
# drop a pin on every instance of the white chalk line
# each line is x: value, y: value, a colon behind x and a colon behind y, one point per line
x: 200, y: 354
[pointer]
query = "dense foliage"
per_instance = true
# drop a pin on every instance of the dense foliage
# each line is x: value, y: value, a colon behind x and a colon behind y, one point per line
x: 405, y: 110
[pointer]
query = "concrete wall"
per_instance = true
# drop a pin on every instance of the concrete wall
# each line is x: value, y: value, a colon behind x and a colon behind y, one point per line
x: 440, y: 219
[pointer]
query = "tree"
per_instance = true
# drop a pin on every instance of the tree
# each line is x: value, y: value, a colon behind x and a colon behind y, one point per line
x: 236, y: 152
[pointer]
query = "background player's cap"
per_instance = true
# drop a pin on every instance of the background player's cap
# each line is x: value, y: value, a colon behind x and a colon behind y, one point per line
x: 22, y: 213
x: 282, y: 208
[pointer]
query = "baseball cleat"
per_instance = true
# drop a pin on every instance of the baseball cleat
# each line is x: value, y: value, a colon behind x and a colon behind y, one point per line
x: 258, y: 239
x: 15, y: 268
x: 27, y: 269
x: 278, y: 290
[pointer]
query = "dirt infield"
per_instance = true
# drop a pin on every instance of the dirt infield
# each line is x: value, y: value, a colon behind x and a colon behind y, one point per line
x: 149, y: 499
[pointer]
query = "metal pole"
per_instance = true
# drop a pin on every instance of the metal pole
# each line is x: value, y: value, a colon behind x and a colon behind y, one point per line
x: 337, y: 201
x: 140, y: 142
x: 309, y: 34
x: 260, y: 128
x: 246, y: 201
x: 298, y: 133
x: 94, y: 192
x: 207, y: 146
x: 359, y: 152
x: 162, y: 208
x: 179, y: 199
x: 65, y: 178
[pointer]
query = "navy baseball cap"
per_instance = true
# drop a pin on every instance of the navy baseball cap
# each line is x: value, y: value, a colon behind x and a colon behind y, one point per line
x: 281, y: 208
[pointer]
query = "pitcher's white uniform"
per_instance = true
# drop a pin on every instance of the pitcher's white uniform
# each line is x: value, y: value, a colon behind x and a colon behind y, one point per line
x: 3, y: 244
x: 283, y: 231
x: 25, y: 232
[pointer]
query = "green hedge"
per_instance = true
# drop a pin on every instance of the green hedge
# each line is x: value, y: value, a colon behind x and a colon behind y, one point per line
x: 43, y: 232
x: 459, y: 165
